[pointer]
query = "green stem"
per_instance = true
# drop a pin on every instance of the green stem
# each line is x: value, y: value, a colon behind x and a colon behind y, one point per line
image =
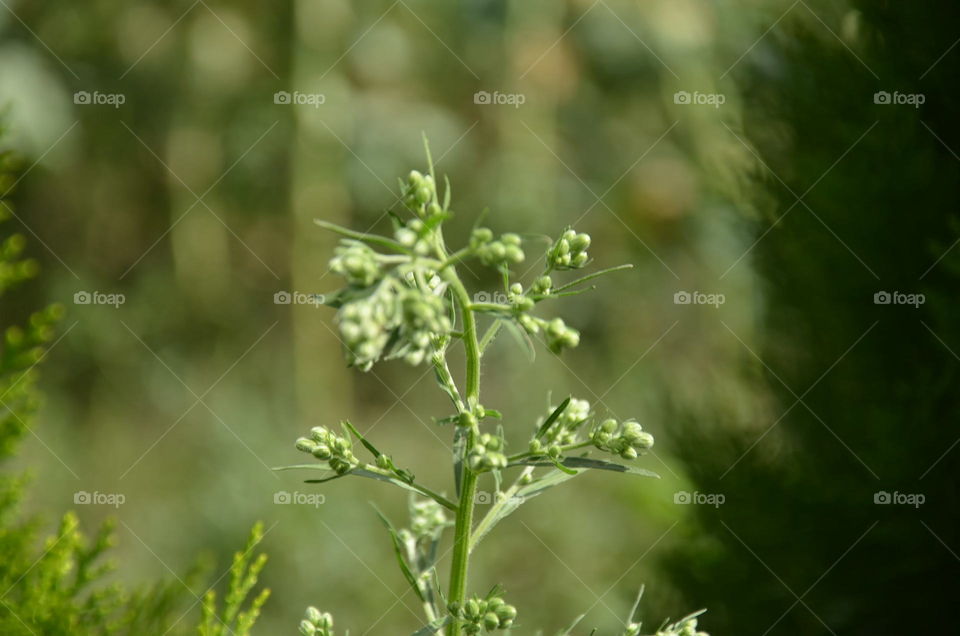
x: 464, y: 520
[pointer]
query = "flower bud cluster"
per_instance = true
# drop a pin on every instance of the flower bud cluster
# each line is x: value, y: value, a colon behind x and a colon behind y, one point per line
x: 365, y: 326
x: 518, y: 300
x: 414, y: 236
x: 506, y: 249
x: 542, y: 286
x: 487, y: 615
x: 625, y: 439
x: 564, y: 431
x: 316, y: 623
x: 427, y: 519
x: 414, y: 316
x: 420, y: 195
x: 356, y: 262
x: 687, y: 627
x: 326, y: 445
x: 424, y: 315
x: 487, y: 453
x: 558, y: 335
x: 570, y: 251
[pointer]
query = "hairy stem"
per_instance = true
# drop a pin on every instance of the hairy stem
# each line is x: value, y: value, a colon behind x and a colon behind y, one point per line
x: 464, y: 520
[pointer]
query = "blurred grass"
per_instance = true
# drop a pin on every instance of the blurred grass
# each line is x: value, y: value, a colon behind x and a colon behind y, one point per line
x: 113, y: 208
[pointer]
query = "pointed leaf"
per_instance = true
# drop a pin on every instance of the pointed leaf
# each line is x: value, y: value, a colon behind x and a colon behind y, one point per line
x: 433, y: 627
x: 557, y: 412
x: 398, y: 550
x: 522, y: 338
x: 363, y: 440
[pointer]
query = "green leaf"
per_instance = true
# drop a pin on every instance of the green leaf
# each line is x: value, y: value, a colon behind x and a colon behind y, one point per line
x: 569, y: 630
x: 588, y: 463
x: 433, y: 627
x: 597, y: 274
x: 372, y: 239
x: 551, y: 479
x: 559, y: 466
x: 398, y: 550
x: 490, y: 334
x: 363, y: 440
x: 459, y: 442
x: 557, y: 412
x: 522, y: 338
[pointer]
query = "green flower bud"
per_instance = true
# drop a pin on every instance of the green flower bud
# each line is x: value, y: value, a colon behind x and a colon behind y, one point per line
x: 322, y: 451
x: 535, y: 446
x: 491, y: 621
x: 313, y: 614
x: 306, y: 445
x: 506, y: 613
x: 543, y: 285
x: 307, y: 628
x: 514, y: 254
x: 472, y: 609
x: 529, y: 323
x: 383, y: 462
x: 644, y: 441
x: 516, y: 288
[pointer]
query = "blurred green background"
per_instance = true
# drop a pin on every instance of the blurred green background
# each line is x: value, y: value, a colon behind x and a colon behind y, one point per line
x: 797, y: 198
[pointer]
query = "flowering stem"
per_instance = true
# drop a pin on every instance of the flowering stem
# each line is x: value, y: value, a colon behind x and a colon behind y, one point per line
x: 464, y: 520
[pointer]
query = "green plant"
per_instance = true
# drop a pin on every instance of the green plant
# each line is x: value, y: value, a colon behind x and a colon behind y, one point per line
x: 58, y: 587
x: 405, y: 300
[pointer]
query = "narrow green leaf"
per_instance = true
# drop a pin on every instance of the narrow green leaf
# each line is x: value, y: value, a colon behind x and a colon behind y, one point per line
x: 557, y: 412
x: 398, y: 550
x: 569, y: 630
x: 433, y: 627
x: 490, y: 334
x: 522, y: 338
x: 597, y: 274
x: 459, y: 442
x: 372, y: 239
x: 588, y: 463
x: 363, y: 440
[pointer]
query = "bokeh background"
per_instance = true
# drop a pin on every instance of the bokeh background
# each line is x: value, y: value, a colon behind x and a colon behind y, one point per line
x: 798, y: 198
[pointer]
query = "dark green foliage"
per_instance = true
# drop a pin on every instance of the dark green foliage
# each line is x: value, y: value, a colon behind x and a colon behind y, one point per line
x: 55, y: 584
x: 800, y: 518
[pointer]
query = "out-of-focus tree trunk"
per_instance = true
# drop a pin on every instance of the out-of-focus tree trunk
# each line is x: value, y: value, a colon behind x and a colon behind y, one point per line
x: 317, y: 190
